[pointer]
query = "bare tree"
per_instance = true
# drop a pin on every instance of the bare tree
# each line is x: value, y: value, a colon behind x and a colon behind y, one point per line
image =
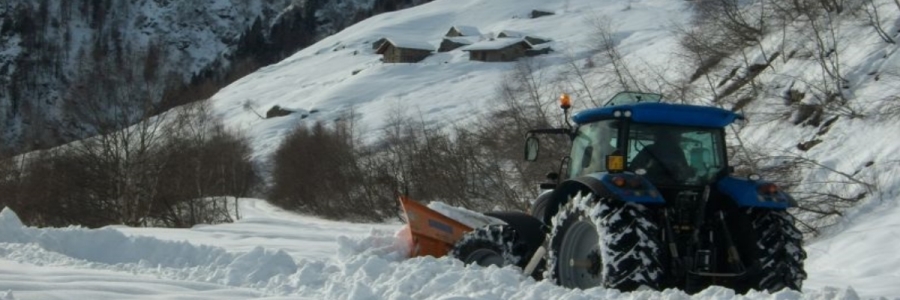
x: 870, y: 8
x: 118, y: 103
x: 202, y: 165
x: 317, y: 170
x: 606, y: 44
x: 118, y: 176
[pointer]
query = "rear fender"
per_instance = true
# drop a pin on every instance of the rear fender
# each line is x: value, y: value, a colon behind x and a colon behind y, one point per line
x: 601, y: 183
x: 746, y: 193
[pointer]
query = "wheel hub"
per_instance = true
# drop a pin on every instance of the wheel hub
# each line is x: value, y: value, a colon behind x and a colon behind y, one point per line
x: 581, y: 265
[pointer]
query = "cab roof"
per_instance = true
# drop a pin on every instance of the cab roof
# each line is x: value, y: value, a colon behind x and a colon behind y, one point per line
x: 662, y: 113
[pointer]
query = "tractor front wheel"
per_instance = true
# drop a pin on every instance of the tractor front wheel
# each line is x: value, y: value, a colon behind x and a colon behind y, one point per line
x: 496, y: 245
x: 597, y: 241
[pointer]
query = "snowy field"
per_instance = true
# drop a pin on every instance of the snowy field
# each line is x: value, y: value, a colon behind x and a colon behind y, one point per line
x: 273, y: 254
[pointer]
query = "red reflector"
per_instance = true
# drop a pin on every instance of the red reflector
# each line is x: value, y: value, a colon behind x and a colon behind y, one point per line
x: 768, y: 188
x: 618, y: 181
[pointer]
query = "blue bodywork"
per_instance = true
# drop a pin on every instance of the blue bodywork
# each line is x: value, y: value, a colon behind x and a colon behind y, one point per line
x: 663, y: 113
x: 646, y: 193
x: 746, y: 193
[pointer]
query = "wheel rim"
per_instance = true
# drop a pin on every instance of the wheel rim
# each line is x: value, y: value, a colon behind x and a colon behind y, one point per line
x: 579, y: 262
x: 485, y: 257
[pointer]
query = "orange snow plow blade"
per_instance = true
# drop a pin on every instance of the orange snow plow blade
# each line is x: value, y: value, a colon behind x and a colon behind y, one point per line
x: 431, y: 233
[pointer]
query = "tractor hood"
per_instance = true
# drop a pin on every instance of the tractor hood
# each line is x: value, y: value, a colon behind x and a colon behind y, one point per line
x: 662, y: 113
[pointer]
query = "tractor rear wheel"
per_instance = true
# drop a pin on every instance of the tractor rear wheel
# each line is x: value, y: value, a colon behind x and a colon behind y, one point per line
x: 780, y: 250
x: 496, y: 245
x: 539, y: 207
x: 597, y: 241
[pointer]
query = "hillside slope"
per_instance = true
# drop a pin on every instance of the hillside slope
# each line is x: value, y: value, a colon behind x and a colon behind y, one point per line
x: 823, y: 148
x: 342, y: 72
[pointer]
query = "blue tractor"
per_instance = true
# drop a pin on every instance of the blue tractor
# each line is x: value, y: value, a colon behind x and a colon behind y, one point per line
x: 646, y: 199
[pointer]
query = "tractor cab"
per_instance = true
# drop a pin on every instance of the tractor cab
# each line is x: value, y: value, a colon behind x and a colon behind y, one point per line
x: 671, y: 145
x: 668, y: 155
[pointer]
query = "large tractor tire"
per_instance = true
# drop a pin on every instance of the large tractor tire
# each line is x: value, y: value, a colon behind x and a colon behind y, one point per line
x: 496, y: 245
x: 597, y: 241
x: 779, y: 246
x: 539, y: 207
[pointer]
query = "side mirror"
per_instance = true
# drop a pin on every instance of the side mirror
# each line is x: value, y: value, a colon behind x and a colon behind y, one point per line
x: 532, y: 146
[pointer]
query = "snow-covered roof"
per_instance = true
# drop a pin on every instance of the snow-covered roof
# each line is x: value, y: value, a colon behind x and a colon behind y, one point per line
x: 495, y: 44
x: 467, y: 30
x: 467, y: 40
x: 540, y: 46
x: 407, y: 43
x: 512, y: 33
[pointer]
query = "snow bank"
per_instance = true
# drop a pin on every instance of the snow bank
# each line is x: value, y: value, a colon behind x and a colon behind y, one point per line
x: 371, y: 268
x: 107, y: 248
x: 367, y: 266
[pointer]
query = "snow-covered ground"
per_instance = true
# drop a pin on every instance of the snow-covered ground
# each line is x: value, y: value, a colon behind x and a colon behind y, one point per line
x: 274, y: 254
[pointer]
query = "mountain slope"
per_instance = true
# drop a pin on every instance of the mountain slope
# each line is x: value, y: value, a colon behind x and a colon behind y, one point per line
x: 50, y: 48
x: 58, y: 56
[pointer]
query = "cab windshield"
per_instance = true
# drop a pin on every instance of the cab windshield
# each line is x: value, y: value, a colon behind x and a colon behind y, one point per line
x: 592, y: 143
x: 676, y: 155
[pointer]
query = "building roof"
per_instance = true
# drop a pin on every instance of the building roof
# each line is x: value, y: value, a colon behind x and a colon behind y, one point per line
x: 495, y: 44
x: 467, y: 30
x: 405, y: 43
x: 512, y: 33
x: 466, y: 40
x: 540, y: 46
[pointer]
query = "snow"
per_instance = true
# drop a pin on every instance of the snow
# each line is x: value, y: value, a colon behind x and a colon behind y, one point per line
x: 274, y: 254
x: 493, y: 44
x: 467, y: 30
x: 511, y: 34
x: 466, y: 217
x: 467, y: 40
x: 410, y: 44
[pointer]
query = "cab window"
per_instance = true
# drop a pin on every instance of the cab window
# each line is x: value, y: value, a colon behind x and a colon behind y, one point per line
x: 592, y: 143
x: 676, y: 155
